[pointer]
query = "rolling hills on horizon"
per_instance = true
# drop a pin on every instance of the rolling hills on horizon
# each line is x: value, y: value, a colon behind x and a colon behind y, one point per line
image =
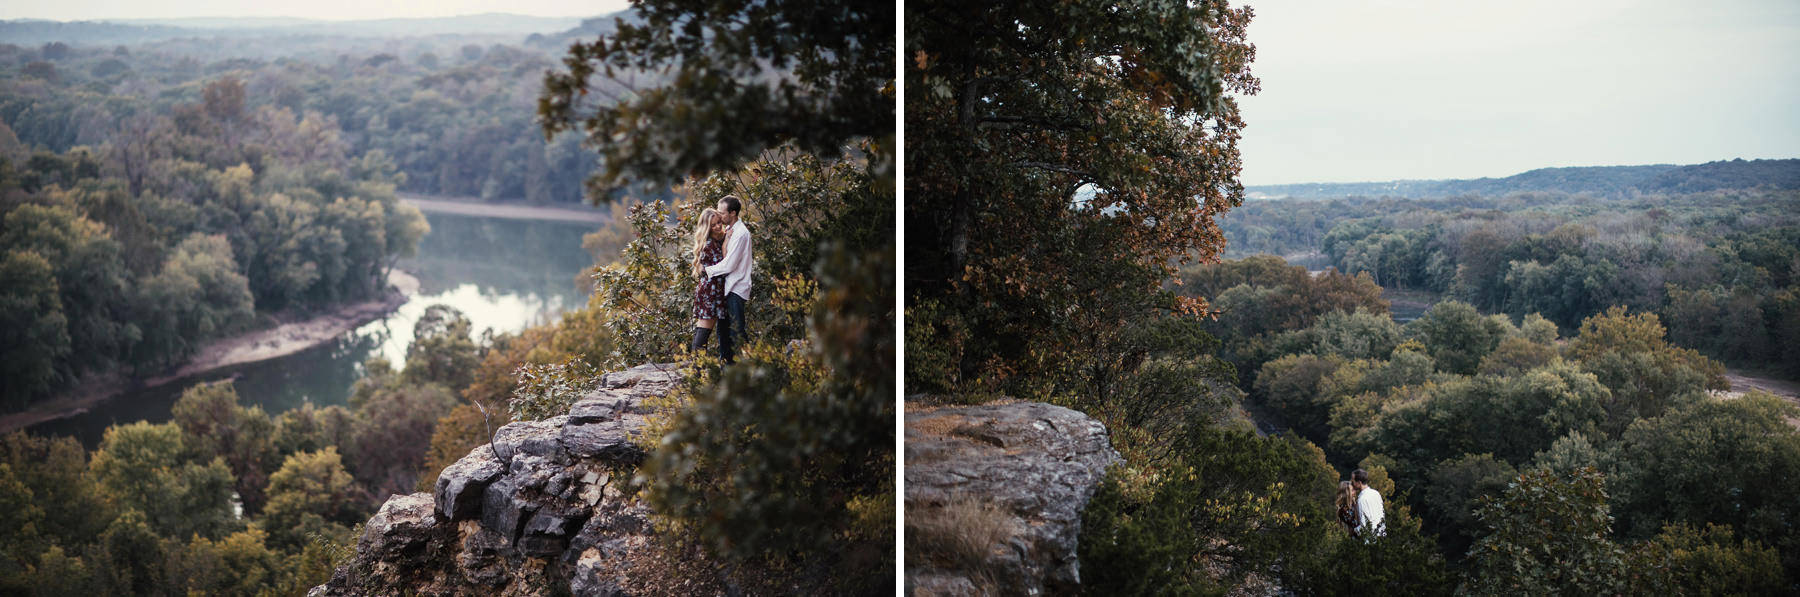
x: 1617, y: 181
x: 129, y: 31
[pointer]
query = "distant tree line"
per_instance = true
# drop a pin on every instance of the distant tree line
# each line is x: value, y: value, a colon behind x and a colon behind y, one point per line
x: 1719, y: 267
x: 196, y: 224
x: 456, y: 120
x: 1606, y: 181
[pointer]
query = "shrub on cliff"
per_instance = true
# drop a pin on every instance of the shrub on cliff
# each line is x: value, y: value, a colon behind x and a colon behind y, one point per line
x: 770, y: 462
x: 785, y: 457
x: 1233, y: 505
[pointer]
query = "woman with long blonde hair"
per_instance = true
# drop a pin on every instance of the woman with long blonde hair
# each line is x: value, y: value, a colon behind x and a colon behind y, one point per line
x: 709, y: 297
x: 1346, y: 506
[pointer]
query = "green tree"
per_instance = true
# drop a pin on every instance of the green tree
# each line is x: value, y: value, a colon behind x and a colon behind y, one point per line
x: 392, y: 433
x: 145, y: 467
x: 310, y: 429
x: 1718, y: 462
x: 215, y: 426
x: 56, y: 471
x: 1233, y: 504
x: 1359, y: 335
x: 58, y: 574
x: 132, y: 557
x: 1647, y: 375
x: 725, y: 82
x: 311, y: 495
x: 1452, y: 491
x: 1686, y: 560
x: 36, y: 334
x: 1456, y: 336
x: 20, y: 538
x: 1547, y: 534
x: 441, y: 350
x: 1291, y: 386
x: 90, y: 282
x: 238, y: 564
x: 776, y: 477
x: 1512, y: 418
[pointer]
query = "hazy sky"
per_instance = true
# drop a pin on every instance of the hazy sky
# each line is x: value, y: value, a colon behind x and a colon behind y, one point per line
x: 336, y: 10
x: 1363, y: 90
x: 1417, y: 89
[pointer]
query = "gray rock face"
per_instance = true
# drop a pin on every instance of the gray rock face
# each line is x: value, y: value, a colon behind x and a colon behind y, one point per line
x: 459, y: 487
x: 545, y: 505
x: 1002, y: 485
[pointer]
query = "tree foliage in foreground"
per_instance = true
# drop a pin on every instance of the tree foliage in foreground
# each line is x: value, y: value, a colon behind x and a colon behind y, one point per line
x: 786, y: 458
x: 685, y: 89
x: 1060, y: 157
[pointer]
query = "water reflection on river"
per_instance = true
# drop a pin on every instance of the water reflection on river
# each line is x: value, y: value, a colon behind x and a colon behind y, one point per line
x: 503, y: 274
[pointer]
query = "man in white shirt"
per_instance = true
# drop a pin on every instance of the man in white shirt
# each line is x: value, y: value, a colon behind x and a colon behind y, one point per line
x: 1370, y: 521
x: 735, y: 266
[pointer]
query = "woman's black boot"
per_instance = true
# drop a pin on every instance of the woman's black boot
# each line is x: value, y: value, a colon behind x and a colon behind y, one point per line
x: 700, y: 337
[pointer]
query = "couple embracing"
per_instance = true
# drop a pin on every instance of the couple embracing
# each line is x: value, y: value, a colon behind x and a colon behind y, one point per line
x: 722, y: 263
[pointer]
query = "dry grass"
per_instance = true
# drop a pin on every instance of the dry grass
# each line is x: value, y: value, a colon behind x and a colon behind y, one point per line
x: 960, y: 536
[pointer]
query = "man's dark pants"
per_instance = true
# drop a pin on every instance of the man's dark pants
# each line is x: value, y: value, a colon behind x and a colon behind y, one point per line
x: 731, y: 329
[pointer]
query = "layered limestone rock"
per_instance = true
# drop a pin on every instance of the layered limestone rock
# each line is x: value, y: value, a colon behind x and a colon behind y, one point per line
x: 544, y: 509
x: 994, y: 495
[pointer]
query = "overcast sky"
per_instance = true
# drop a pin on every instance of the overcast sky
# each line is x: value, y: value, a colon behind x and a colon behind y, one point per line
x: 1366, y: 90
x: 1420, y: 89
x: 333, y: 10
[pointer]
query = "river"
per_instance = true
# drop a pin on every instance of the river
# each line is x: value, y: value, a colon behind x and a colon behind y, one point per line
x: 505, y: 274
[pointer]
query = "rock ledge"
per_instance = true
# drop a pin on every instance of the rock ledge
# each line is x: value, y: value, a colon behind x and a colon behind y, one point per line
x: 545, y: 505
x: 994, y: 493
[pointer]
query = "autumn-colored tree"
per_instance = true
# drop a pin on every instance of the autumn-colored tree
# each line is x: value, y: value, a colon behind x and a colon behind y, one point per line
x: 1061, y: 158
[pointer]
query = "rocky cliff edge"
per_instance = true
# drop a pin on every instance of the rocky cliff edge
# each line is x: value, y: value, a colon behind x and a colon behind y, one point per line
x: 994, y: 495
x: 545, y: 509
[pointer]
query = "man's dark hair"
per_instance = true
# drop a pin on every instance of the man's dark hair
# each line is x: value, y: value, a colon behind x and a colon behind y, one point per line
x: 1360, y: 476
x: 731, y: 203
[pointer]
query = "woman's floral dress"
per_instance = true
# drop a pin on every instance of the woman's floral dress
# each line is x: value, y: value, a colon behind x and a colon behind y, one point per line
x: 709, y: 298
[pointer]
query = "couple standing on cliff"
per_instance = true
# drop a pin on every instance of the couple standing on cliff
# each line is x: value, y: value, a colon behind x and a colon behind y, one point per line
x: 1359, y: 507
x: 722, y: 263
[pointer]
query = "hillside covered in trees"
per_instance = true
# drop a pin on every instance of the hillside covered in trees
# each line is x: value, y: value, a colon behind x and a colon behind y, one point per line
x: 131, y: 256
x: 1606, y: 181
x: 451, y: 104
x: 1515, y: 457
x: 1719, y: 267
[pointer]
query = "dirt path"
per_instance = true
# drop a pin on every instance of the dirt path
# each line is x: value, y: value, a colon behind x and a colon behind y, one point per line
x: 511, y: 211
x: 1741, y: 383
x: 249, y: 347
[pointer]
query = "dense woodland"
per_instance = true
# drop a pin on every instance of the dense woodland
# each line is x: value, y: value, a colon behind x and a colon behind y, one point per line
x: 1720, y: 267
x: 232, y: 190
x: 1598, y: 461
x: 132, y: 256
x: 453, y: 112
x: 1548, y: 433
x: 183, y: 189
